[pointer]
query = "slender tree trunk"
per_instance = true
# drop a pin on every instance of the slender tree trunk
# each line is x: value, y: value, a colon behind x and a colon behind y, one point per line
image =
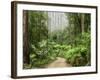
x: 82, y: 23
x: 25, y: 38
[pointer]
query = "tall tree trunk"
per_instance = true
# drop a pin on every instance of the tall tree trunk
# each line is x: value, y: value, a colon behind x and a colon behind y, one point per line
x: 82, y: 23
x: 25, y: 38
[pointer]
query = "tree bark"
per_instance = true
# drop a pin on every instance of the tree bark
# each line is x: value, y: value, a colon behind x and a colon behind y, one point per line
x: 25, y: 38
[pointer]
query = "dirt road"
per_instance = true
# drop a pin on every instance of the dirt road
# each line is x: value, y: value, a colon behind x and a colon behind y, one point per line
x: 59, y: 62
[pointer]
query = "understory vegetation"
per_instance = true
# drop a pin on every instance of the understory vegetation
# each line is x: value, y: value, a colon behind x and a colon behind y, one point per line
x: 71, y: 43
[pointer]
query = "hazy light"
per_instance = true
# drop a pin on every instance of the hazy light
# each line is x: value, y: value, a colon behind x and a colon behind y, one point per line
x: 57, y: 21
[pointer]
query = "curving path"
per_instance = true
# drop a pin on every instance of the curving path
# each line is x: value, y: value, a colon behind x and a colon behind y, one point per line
x: 60, y: 62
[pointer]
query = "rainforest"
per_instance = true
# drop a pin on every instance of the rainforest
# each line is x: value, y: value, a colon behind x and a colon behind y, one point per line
x: 56, y: 39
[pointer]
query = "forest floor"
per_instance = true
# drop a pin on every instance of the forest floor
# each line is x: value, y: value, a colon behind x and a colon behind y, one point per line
x: 59, y: 62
